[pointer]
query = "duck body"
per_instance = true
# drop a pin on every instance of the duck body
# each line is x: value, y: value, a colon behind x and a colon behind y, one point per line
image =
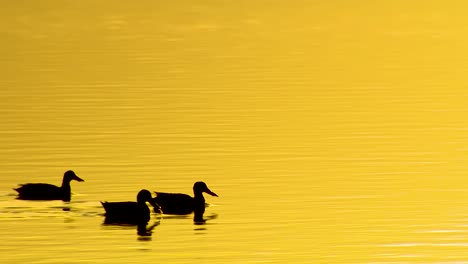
x: 45, y: 191
x: 126, y: 213
x: 41, y: 191
x: 175, y: 203
x: 134, y: 213
x: 181, y: 204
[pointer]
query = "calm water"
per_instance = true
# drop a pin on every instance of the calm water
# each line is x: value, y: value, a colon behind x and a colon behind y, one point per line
x: 333, y: 132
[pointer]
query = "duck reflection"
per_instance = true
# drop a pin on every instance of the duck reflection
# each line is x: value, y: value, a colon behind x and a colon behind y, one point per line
x: 146, y: 230
x: 200, y: 219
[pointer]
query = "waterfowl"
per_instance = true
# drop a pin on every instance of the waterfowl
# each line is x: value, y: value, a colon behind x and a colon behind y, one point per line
x: 180, y: 204
x: 130, y: 212
x: 45, y: 191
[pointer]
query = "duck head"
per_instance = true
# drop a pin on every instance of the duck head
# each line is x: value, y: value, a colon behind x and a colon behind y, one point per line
x: 70, y: 176
x: 145, y: 196
x: 200, y: 187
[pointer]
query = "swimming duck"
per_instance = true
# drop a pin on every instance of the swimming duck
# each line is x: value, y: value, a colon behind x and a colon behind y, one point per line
x: 130, y: 212
x: 45, y: 191
x: 180, y: 204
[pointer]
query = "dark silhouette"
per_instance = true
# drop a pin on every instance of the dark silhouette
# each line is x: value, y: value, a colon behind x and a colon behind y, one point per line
x: 133, y: 213
x: 178, y: 203
x: 45, y: 191
x: 201, y: 220
x: 146, y: 231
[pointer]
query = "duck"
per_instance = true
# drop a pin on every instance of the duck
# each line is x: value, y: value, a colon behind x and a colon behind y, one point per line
x: 45, y: 191
x: 136, y: 213
x: 182, y: 204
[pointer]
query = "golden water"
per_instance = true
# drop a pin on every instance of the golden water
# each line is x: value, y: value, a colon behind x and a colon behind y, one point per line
x: 333, y: 131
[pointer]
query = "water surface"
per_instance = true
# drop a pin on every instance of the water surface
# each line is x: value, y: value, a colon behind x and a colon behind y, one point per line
x: 332, y: 132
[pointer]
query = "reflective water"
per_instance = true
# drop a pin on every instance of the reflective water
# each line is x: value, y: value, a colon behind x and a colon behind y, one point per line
x: 333, y: 132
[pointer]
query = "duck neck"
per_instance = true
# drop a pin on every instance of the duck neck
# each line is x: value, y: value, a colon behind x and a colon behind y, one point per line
x: 66, y: 184
x: 198, y: 196
x: 142, y: 203
x: 66, y: 190
x: 198, y: 206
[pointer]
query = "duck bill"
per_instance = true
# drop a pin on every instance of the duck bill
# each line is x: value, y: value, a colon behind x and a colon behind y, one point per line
x: 76, y: 178
x: 208, y: 191
x: 155, y: 205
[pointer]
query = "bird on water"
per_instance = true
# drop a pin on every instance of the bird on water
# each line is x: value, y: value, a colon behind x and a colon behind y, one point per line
x: 136, y: 213
x: 181, y: 204
x: 45, y: 191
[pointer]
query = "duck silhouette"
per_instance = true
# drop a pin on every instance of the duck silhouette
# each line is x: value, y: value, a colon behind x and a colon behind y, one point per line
x: 135, y: 213
x: 181, y: 204
x: 45, y: 191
